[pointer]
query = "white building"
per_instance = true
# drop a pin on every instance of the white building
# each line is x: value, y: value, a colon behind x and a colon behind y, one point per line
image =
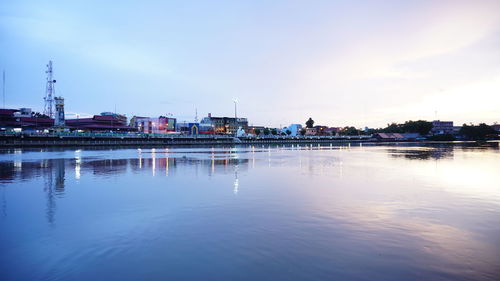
x: 293, y: 128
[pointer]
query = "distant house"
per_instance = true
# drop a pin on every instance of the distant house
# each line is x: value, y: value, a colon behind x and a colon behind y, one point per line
x: 321, y: 130
x: 149, y: 125
x: 442, y: 127
x: 496, y: 127
x: 311, y: 131
x: 333, y: 131
x: 252, y: 129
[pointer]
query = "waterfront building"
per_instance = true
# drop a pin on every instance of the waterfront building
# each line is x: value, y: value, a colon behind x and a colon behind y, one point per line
x: 149, y: 125
x: 442, y: 127
x: 23, y: 112
x: 333, y: 131
x: 293, y: 128
x: 59, y: 116
x: 226, y: 125
x: 311, y: 131
x: 251, y: 130
x: 121, y: 117
x: 194, y: 128
x: 105, y: 122
x: 322, y: 130
x: 24, y: 119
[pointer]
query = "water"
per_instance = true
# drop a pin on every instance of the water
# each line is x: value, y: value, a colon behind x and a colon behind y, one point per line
x: 393, y: 212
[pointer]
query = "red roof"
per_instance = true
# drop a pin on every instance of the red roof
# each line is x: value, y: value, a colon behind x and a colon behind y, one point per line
x: 6, y: 111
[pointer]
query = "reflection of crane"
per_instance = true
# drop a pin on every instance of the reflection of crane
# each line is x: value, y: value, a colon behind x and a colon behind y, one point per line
x: 51, y: 203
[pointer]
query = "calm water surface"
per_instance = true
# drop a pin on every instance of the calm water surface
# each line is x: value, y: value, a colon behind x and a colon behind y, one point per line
x: 395, y: 212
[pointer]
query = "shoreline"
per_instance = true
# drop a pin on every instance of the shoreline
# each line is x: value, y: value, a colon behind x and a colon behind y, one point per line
x: 86, y: 140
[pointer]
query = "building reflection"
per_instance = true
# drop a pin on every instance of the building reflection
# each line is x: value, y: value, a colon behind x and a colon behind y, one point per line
x: 422, y: 154
x: 54, y: 183
x: 53, y: 172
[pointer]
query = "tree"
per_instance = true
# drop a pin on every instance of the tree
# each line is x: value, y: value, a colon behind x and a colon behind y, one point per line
x: 349, y: 131
x: 422, y: 127
x: 302, y: 132
x: 288, y: 132
x: 39, y: 115
x: 479, y: 132
x: 274, y: 132
x: 257, y: 132
x: 266, y: 131
x: 310, y: 123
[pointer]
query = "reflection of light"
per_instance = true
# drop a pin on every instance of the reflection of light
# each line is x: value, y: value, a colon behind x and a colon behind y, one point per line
x: 140, y: 157
x: 236, y: 181
x: 18, y: 165
x: 153, y: 155
x: 213, y: 164
x: 78, y: 163
x: 236, y: 184
x: 166, y: 167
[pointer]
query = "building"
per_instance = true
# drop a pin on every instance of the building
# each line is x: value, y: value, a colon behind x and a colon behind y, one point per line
x: 194, y: 128
x: 254, y: 129
x: 496, y: 127
x: 333, y: 131
x: 103, y: 122
x: 293, y: 128
x: 159, y: 125
x: 442, y: 127
x: 206, y: 127
x: 226, y: 125
x: 59, y: 117
x: 311, y: 131
x: 24, y: 119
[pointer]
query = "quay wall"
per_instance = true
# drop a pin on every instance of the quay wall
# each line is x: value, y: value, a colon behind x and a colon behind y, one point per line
x: 51, y: 140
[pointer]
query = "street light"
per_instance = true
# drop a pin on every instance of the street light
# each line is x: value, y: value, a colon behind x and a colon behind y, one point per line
x: 235, y: 113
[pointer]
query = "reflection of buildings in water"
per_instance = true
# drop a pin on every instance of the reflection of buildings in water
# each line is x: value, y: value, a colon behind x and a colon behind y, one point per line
x: 51, y: 170
x: 17, y: 170
x: 422, y: 154
x: 164, y: 165
x: 54, y: 180
x: 106, y: 167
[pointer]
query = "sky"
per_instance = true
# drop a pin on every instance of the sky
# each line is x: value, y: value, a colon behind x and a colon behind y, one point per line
x: 360, y: 63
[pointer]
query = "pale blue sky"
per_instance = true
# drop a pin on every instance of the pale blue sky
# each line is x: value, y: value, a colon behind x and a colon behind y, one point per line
x: 339, y: 62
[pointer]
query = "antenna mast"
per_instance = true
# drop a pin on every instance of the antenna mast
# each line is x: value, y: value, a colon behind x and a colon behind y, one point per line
x: 49, y: 92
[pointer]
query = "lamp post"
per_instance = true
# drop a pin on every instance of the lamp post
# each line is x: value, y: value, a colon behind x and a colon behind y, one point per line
x: 235, y: 112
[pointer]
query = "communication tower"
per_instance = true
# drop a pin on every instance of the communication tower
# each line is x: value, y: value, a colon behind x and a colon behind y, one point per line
x: 49, y: 92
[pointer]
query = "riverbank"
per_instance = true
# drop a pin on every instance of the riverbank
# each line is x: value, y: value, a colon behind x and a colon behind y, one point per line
x: 106, y: 139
